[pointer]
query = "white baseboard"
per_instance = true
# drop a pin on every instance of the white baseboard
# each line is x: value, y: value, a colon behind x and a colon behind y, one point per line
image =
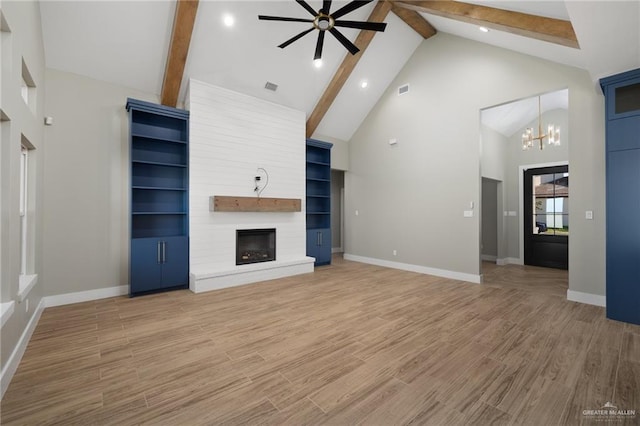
x: 509, y: 261
x: 9, y: 369
x: 337, y: 250
x: 488, y: 257
x: 588, y: 298
x: 85, y: 296
x: 7, y: 309
x: 476, y: 279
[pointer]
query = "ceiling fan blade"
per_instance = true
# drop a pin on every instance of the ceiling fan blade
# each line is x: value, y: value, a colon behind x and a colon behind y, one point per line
x: 299, y: 36
x: 326, y: 7
x: 345, y: 41
x: 307, y: 7
x: 319, y: 44
x: 280, y: 18
x: 370, y: 26
x: 349, y: 7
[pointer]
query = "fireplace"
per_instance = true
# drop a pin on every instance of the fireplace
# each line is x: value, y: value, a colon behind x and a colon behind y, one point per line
x: 255, y: 245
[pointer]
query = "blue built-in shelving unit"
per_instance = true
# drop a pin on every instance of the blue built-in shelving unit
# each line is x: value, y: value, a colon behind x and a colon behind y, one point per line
x: 319, y: 201
x: 622, y: 95
x: 159, y: 225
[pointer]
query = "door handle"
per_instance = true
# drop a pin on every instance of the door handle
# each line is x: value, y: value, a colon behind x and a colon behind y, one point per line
x: 158, y: 254
x: 164, y: 252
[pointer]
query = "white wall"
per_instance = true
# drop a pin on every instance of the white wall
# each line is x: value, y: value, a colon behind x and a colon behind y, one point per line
x: 339, y: 151
x: 231, y: 135
x: 86, y: 195
x: 411, y: 197
x: 337, y: 186
x: 493, y: 159
x: 23, y: 42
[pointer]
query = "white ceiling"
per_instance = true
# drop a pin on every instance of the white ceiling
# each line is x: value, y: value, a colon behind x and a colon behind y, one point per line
x: 126, y: 43
x: 509, y: 118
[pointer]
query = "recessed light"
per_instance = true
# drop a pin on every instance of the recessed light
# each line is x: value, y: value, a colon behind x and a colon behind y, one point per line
x: 317, y: 63
x: 228, y: 20
x: 364, y: 84
x: 484, y: 29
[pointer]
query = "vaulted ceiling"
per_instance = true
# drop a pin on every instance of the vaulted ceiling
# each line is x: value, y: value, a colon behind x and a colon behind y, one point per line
x: 128, y: 43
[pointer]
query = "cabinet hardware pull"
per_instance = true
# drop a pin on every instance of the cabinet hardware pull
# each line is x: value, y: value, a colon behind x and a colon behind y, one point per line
x: 159, y: 259
x: 164, y: 252
x: 321, y: 237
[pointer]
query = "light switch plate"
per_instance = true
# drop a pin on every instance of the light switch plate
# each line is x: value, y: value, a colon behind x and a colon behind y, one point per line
x: 468, y: 213
x: 588, y: 215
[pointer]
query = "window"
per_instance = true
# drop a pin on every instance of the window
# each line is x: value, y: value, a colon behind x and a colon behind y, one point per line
x: 551, y: 204
x: 28, y: 88
x: 24, y: 192
x: 26, y: 205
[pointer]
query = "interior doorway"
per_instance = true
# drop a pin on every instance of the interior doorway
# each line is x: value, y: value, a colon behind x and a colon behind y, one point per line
x: 516, y: 136
x: 546, y: 217
x: 337, y: 211
x: 491, y: 226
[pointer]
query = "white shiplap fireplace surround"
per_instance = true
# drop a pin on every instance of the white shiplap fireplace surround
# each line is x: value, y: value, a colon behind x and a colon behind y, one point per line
x: 231, y: 136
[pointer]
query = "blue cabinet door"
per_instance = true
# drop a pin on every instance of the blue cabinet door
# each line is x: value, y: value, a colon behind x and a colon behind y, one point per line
x: 175, y: 266
x: 146, y: 266
x: 623, y: 235
x: 312, y: 243
x: 324, y: 250
x: 319, y: 245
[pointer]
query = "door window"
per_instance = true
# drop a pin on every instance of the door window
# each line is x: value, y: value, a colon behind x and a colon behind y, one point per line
x: 550, y: 204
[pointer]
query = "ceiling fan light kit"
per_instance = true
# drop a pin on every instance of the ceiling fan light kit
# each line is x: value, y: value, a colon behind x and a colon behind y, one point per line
x: 323, y: 20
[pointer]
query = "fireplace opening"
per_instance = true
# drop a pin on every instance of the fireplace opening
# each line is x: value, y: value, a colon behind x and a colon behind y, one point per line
x: 255, y: 245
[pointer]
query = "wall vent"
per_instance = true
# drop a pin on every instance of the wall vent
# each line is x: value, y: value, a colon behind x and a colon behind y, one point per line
x: 271, y: 86
x: 403, y: 89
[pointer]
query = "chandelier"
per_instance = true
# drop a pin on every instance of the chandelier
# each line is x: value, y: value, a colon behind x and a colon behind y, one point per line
x: 553, y: 134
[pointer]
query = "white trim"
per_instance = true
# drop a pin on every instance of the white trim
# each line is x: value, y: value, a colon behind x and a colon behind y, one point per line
x: 6, y: 310
x: 85, y: 296
x: 248, y: 274
x: 337, y: 250
x: 509, y: 261
x: 9, y: 369
x: 25, y: 284
x: 588, y: 298
x: 488, y: 257
x: 521, y: 169
x: 472, y: 278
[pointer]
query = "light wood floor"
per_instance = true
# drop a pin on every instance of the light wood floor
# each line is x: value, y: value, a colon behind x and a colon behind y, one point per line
x: 349, y: 344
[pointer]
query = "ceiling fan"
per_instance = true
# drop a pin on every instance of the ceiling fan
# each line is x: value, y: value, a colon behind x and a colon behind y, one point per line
x: 323, y: 20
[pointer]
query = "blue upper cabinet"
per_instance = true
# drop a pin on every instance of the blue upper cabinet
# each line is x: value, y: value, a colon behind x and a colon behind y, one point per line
x: 622, y: 94
x: 159, y: 142
x: 318, y: 208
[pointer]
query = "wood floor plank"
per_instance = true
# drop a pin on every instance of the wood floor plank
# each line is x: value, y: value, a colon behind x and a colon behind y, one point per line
x: 348, y: 344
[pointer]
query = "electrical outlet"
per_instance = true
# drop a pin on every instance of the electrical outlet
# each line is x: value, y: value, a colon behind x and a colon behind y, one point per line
x: 26, y: 306
x: 357, y: 212
x: 395, y: 252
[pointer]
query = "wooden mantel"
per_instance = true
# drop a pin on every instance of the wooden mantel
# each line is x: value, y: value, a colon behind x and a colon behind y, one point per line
x: 220, y: 203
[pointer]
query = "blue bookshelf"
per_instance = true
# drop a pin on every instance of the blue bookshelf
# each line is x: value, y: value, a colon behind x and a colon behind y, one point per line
x: 318, y: 208
x: 159, y: 222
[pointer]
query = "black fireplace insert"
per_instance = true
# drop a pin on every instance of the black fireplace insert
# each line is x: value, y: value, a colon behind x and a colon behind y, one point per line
x: 255, y: 245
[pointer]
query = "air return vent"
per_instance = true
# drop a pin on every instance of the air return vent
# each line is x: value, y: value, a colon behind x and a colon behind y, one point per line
x: 403, y: 89
x: 271, y: 86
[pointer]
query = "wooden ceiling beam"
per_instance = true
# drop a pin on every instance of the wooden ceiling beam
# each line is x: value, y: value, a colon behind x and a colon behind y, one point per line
x: 379, y: 13
x: 415, y: 21
x: 552, y: 30
x: 183, y: 22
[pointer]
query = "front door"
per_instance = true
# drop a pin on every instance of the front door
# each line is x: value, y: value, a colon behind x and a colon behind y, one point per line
x: 546, y: 217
